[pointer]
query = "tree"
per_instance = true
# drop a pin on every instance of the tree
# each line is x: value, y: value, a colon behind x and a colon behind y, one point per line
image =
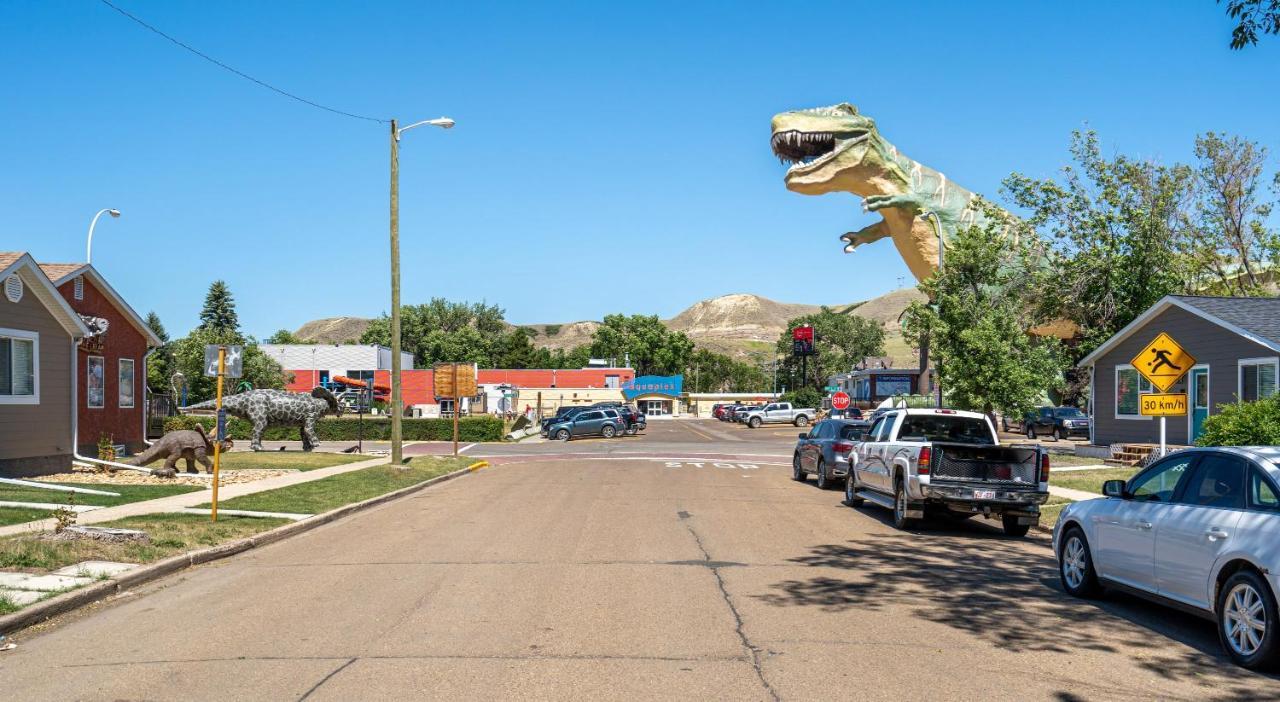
x: 219, y: 312
x: 981, y: 313
x: 1253, y: 17
x: 260, y: 370
x: 160, y: 364
x: 1231, y: 249
x: 652, y: 348
x: 713, y: 372
x: 841, y: 340
x: 284, y: 336
x: 444, y: 331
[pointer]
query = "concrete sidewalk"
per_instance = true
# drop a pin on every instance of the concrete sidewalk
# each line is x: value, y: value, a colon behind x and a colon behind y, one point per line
x: 177, y: 503
x: 1073, y: 495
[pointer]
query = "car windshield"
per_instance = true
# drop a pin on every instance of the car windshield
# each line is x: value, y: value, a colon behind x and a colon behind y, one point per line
x: 852, y: 432
x: 929, y: 427
x: 1069, y: 413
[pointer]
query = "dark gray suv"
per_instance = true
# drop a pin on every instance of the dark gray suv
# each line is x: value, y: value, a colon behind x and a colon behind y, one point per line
x: 593, y: 422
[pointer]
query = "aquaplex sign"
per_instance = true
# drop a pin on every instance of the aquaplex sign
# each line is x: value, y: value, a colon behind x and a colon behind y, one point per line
x: 1162, y: 404
x: 669, y: 385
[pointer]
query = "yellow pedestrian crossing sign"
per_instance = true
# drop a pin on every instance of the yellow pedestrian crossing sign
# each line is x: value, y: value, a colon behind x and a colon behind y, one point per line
x: 1163, y: 362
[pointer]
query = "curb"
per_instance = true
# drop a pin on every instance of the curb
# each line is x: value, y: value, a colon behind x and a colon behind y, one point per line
x: 67, y: 601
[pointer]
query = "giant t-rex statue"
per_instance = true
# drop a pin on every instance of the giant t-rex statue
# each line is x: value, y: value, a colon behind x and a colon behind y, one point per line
x: 836, y: 149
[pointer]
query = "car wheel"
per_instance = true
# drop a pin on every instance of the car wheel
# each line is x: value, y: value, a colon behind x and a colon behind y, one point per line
x: 1031, y: 433
x: 607, y: 431
x: 850, y: 485
x: 824, y: 483
x: 754, y: 423
x: 1075, y: 565
x: 1057, y: 434
x: 631, y: 430
x: 797, y: 473
x: 562, y: 435
x: 1012, y: 527
x: 1247, y: 621
x: 802, y: 420
x: 900, y: 518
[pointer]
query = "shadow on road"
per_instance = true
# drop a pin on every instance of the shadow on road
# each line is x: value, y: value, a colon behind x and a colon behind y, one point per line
x: 1006, y: 592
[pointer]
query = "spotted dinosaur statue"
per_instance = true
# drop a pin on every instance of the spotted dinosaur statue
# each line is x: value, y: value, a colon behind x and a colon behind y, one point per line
x: 267, y: 407
x: 190, y: 444
x: 836, y: 149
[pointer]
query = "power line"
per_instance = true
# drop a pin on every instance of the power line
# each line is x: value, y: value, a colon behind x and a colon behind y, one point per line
x: 242, y: 74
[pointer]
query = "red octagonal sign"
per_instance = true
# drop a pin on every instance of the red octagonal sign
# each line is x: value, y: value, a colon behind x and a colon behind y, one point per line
x: 840, y: 401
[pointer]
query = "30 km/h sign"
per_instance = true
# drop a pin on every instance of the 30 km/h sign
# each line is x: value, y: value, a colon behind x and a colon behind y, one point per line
x: 1166, y: 404
x: 1163, y: 362
x: 840, y: 401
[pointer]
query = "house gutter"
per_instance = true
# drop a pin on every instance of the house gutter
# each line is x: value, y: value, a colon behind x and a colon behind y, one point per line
x: 146, y: 406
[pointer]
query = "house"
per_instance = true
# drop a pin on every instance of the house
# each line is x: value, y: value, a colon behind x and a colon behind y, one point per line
x: 111, y: 362
x: 1235, y: 342
x: 38, y: 335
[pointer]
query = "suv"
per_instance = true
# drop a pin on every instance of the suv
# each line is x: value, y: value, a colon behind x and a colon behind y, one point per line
x: 561, y: 414
x: 592, y: 421
x: 634, y: 417
x: 1058, y: 422
x: 825, y: 449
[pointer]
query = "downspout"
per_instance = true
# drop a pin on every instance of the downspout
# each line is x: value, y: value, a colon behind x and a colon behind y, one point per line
x: 146, y: 403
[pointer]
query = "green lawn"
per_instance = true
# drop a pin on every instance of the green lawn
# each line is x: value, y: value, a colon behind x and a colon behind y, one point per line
x: 128, y: 493
x: 297, y: 460
x: 1090, y: 480
x: 1058, y: 459
x: 170, y: 534
x: 21, y: 515
x: 338, y: 490
x: 1050, y: 510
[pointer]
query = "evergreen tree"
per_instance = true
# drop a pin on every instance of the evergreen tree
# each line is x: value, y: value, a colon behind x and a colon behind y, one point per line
x: 219, y: 313
x: 160, y: 365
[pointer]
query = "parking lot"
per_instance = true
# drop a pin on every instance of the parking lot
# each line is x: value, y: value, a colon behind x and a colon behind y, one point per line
x: 683, y: 563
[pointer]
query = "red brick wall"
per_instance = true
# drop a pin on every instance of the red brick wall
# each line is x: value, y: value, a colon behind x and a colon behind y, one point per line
x: 122, y: 341
x: 419, y: 385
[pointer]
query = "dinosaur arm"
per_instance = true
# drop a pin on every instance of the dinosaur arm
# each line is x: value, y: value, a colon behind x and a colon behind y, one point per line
x: 866, y: 235
x: 875, y: 203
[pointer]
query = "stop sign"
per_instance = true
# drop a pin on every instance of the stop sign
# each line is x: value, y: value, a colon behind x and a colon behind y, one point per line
x: 840, y: 401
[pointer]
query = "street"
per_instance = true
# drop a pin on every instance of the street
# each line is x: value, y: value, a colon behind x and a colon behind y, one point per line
x: 684, y: 563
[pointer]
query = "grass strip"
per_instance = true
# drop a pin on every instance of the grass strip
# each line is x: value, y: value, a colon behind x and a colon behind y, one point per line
x: 1090, y: 480
x: 338, y: 490
x: 128, y: 493
x: 22, y: 515
x: 171, y: 534
x: 297, y: 460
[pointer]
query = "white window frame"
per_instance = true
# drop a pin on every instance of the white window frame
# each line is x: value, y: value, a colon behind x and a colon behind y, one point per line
x: 34, y: 338
x: 1274, y: 361
x: 133, y: 395
x: 1115, y: 392
x: 87, y: 374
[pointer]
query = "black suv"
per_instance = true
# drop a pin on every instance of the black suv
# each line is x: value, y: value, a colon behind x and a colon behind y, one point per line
x: 1058, y: 422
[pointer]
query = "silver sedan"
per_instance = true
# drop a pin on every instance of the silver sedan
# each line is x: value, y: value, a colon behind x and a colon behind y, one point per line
x: 1198, y: 530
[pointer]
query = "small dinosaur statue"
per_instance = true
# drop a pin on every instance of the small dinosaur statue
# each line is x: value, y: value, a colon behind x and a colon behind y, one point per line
x: 836, y: 149
x: 265, y: 407
x: 190, y: 444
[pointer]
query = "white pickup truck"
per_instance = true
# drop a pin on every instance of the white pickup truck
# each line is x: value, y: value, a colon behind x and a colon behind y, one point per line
x: 779, y: 413
x: 950, y: 462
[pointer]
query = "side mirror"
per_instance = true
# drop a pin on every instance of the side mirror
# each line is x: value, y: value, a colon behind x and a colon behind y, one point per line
x: 1114, y: 488
x: 804, y: 435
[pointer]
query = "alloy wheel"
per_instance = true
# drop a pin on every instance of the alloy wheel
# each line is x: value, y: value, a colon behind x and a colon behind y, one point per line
x: 1073, y: 562
x: 1244, y: 619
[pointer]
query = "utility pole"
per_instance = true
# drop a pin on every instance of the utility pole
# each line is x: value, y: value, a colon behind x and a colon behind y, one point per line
x: 397, y: 408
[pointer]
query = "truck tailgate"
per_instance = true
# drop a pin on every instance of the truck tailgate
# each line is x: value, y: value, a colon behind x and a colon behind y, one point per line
x: 1006, y: 466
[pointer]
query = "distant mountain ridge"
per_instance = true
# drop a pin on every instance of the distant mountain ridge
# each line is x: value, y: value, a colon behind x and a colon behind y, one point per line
x: 741, y: 325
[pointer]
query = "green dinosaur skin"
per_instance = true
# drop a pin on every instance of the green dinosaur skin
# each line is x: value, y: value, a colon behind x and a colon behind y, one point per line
x: 849, y: 155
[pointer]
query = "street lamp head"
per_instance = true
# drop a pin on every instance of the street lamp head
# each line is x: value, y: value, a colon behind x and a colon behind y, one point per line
x: 443, y: 123
x: 114, y: 213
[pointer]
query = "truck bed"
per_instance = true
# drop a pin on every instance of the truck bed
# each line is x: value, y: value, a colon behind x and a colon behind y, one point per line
x: 1006, y: 466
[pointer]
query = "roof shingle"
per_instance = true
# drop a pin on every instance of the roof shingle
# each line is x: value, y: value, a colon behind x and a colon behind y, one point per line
x: 58, y: 271
x: 1257, y: 315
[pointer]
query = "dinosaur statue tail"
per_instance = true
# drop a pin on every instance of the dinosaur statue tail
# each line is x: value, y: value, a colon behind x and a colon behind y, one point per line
x: 207, y: 404
x: 323, y: 394
x: 146, y: 457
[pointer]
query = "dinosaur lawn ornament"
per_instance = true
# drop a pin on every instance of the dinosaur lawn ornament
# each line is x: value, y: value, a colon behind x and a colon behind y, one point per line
x: 836, y: 149
x: 190, y: 444
x: 267, y: 407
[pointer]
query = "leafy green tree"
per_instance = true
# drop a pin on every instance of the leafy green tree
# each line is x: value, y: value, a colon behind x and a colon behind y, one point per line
x: 219, y: 312
x: 652, y: 348
x: 284, y: 336
x: 1253, y: 17
x: 1243, y: 424
x: 514, y: 350
x: 982, y: 310
x: 713, y: 372
x: 841, y: 341
x: 804, y: 397
x: 259, y: 369
x: 444, y: 331
x: 160, y: 365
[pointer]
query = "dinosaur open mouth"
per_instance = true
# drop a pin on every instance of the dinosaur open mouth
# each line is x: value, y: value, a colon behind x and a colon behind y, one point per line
x: 805, y: 149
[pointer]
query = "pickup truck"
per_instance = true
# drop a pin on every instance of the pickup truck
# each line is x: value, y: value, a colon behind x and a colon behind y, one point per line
x: 779, y: 413
x: 951, y: 463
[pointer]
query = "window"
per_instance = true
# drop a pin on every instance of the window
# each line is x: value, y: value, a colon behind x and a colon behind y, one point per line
x: 1257, y: 378
x: 126, y: 383
x: 95, y: 382
x: 19, y: 367
x: 852, y: 432
x: 611, y: 381
x: 590, y: 416
x: 1129, y: 384
x: 1159, y: 482
x: 1262, y: 493
x: 1218, y: 482
x: 965, y: 430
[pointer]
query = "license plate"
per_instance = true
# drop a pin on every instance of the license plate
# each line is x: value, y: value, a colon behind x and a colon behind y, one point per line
x: 984, y: 494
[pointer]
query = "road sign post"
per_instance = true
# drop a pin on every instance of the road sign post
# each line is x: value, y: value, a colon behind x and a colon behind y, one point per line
x: 219, y: 434
x: 1162, y: 405
x: 1163, y: 362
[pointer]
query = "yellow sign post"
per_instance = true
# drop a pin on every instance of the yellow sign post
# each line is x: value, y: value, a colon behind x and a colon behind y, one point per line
x: 219, y: 428
x: 1163, y: 362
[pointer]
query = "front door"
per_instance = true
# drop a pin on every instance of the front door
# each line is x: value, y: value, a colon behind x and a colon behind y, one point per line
x: 1199, y: 386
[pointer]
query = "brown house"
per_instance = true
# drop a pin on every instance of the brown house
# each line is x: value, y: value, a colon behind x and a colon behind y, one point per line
x: 1236, y: 345
x: 38, y: 334
x: 111, y: 362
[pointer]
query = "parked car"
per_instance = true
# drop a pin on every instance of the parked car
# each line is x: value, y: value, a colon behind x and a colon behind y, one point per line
x: 1198, y: 530
x: 824, y: 450
x: 561, y: 414
x: 948, y: 461
x: 740, y: 412
x: 718, y: 410
x: 779, y: 413
x: 1058, y: 422
x: 604, y: 422
x: 353, y: 400
x: 634, y: 418
x: 847, y: 413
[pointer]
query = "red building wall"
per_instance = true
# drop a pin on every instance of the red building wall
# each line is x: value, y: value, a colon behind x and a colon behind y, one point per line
x: 419, y: 385
x: 122, y: 341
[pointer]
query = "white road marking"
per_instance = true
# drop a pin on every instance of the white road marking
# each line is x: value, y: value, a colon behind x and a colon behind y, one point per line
x: 464, y: 448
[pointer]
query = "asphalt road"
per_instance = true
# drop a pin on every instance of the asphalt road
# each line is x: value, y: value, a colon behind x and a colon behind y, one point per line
x: 682, y: 564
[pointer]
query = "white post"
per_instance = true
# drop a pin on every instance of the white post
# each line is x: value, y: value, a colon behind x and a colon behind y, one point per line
x: 1162, y: 423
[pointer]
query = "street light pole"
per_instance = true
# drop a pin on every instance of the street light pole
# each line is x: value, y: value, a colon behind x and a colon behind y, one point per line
x: 397, y: 405
x: 88, y: 246
x: 937, y: 231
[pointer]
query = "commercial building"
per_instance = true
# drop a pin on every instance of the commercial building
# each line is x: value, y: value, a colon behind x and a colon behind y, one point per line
x: 1235, y: 342
x: 325, y: 361
x: 869, y: 387
x: 655, y: 395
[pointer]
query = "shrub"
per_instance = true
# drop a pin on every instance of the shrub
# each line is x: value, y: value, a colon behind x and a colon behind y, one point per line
x: 551, y: 329
x: 486, y: 428
x: 804, y: 398
x: 1243, y: 424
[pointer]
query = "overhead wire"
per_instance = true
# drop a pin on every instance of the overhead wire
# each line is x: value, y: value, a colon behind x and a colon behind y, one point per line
x: 240, y: 73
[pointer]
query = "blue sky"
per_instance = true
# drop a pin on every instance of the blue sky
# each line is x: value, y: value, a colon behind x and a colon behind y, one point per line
x: 608, y: 157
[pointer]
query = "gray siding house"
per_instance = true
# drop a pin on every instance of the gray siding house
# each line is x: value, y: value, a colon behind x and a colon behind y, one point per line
x: 37, y: 333
x: 1234, y: 340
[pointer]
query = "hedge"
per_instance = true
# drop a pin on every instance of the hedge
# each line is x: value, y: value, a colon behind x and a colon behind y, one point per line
x: 484, y: 428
